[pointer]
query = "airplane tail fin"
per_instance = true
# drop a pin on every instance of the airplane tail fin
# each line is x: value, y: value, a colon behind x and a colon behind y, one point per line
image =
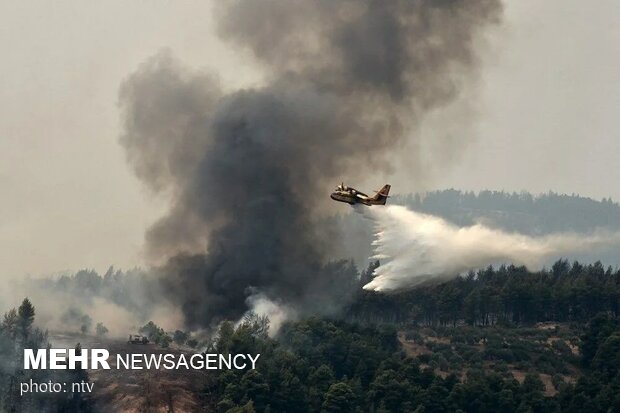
x: 382, y: 195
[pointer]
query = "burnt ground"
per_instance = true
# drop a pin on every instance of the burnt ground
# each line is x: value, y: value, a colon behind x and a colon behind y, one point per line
x: 139, y: 390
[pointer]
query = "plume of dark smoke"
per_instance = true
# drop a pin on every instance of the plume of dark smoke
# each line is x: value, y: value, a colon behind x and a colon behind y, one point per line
x: 244, y: 171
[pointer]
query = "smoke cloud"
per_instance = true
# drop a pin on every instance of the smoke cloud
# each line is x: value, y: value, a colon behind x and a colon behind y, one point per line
x: 277, y: 314
x: 245, y: 172
x: 419, y: 248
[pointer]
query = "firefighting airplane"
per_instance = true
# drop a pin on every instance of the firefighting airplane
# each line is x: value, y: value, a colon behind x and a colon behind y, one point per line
x: 352, y: 196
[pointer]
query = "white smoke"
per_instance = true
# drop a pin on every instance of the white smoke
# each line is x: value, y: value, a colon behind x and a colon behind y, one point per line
x: 416, y: 248
x: 277, y: 313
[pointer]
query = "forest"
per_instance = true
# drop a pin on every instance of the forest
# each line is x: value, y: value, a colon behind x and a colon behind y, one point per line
x: 17, y: 332
x: 522, y: 212
x: 502, y: 338
x: 509, y: 295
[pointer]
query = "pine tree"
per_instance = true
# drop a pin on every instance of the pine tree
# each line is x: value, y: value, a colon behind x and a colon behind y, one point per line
x: 26, y: 314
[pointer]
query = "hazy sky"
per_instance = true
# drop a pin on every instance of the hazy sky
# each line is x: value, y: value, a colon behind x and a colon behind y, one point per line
x: 550, y: 102
x: 545, y: 117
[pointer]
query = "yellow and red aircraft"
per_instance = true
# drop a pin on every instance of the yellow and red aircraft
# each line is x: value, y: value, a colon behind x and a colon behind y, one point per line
x: 352, y: 196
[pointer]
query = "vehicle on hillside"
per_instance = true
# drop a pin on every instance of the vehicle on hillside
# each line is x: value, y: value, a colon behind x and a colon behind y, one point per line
x: 137, y: 339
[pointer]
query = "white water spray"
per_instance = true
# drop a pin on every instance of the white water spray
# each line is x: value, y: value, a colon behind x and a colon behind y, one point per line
x: 416, y: 248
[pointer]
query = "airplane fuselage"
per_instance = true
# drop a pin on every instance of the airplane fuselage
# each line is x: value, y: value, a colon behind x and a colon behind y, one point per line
x: 350, y: 199
x: 352, y: 196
